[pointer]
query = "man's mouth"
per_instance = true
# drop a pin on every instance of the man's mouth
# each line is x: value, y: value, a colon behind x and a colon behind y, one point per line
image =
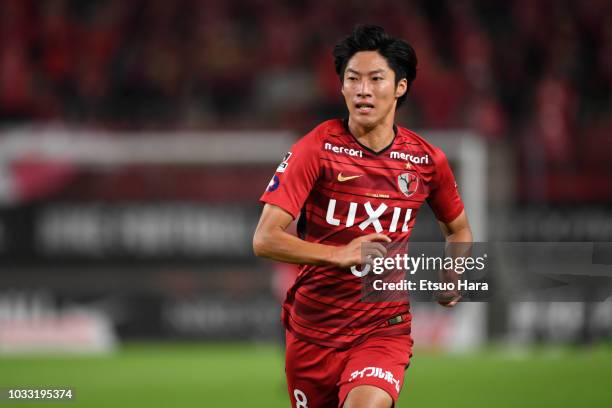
x: 364, y: 107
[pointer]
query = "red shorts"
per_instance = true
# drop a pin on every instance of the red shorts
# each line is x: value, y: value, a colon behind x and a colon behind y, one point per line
x: 322, y: 377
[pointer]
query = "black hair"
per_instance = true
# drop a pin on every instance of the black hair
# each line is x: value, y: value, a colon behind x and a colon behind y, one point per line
x: 399, y: 54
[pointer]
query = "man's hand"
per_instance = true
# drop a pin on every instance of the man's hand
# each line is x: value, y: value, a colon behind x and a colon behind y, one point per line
x: 448, y: 298
x: 361, y: 250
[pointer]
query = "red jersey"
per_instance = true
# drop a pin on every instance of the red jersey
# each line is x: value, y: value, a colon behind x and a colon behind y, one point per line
x: 344, y: 190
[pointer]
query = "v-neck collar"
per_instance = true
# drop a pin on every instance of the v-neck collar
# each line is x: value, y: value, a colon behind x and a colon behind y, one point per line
x: 374, y: 152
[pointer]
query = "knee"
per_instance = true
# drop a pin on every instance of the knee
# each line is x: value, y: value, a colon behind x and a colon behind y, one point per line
x: 368, y: 396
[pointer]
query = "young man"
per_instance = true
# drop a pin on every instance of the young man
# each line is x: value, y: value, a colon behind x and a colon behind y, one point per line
x: 356, y: 181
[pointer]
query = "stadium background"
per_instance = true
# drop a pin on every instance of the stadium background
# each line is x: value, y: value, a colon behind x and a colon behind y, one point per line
x: 136, y: 137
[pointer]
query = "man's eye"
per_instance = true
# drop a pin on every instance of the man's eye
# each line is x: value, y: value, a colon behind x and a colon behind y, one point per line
x: 352, y: 78
x: 377, y: 78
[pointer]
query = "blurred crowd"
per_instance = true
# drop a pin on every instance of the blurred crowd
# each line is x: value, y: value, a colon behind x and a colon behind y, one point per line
x: 535, y: 73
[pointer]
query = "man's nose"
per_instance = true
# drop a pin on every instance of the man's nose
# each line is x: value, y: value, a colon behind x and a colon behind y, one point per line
x: 364, y: 89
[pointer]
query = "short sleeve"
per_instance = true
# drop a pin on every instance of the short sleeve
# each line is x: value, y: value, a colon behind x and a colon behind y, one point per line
x: 444, y: 197
x: 295, y: 176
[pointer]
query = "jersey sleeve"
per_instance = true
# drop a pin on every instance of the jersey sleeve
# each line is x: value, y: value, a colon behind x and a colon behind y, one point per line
x: 444, y: 197
x: 295, y: 176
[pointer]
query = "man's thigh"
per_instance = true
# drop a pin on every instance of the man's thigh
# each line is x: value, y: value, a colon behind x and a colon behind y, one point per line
x: 367, y: 396
x: 312, y: 373
x: 380, y: 362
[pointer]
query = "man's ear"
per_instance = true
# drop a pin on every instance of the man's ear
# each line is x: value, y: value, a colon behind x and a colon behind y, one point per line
x: 402, y: 88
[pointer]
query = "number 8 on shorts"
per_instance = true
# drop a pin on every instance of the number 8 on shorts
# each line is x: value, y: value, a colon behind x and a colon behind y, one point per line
x: 300, y: 399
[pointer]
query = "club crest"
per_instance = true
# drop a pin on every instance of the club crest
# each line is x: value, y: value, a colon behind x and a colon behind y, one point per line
x: 408, y: 183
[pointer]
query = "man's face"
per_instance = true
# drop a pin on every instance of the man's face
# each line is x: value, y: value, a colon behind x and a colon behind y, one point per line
x: 369, y: 88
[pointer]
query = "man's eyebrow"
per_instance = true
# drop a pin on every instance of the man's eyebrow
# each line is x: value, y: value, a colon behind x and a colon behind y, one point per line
x: 376, y: 71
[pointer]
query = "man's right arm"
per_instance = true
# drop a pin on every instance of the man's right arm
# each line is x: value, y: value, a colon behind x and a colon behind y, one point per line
x: 272, y: 241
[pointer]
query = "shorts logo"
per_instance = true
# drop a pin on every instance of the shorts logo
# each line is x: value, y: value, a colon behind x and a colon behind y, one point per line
x: 408, y: 183
x: 273, y: 184
x: 283, y: 165
x: 376, y: 372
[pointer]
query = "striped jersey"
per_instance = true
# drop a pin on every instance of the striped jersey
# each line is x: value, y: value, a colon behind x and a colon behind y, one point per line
x: 343, y: 190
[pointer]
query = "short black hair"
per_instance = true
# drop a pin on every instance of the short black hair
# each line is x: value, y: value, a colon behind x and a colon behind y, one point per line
x: 399, y: 54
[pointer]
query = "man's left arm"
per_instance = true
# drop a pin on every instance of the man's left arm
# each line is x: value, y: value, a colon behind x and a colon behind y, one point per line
x: 459, y: 235
x: 458, y: 230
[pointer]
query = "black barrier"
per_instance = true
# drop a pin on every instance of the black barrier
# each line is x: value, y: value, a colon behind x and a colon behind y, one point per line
x: 111, y: 233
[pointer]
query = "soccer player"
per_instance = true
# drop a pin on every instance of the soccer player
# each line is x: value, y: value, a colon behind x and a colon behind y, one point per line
x: 354, y: 181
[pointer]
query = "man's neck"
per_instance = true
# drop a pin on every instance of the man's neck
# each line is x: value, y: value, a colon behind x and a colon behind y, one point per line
x: 375, y: 138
